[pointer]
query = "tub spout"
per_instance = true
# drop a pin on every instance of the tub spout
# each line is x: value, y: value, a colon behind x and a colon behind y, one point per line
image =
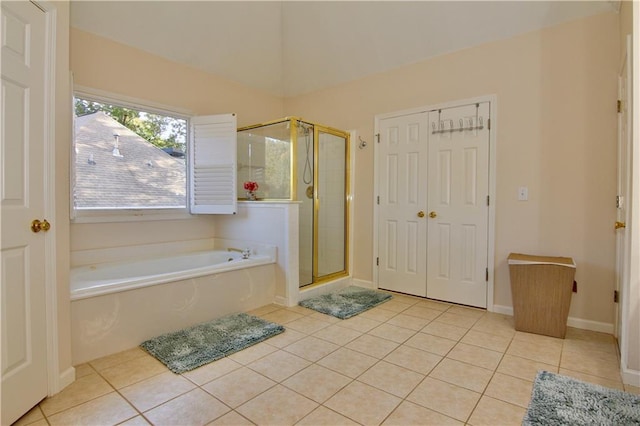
x: 245, y: 253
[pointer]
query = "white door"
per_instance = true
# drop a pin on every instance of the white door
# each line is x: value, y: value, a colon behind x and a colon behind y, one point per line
x: 24, y: 355
x: 402, y: 226
x: 458, y: 209
x: 624, y: 144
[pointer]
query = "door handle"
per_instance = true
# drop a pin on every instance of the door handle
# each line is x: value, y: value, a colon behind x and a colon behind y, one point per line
x: 420, y: 213
x: 37, y: 226
x: 619, y: 225
x: 433, y: 215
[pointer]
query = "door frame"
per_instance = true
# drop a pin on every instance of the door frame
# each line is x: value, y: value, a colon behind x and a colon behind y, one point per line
x: 493, y: 109
x: 54, y: 379
x: 631, y: 286
x: 622, y: 247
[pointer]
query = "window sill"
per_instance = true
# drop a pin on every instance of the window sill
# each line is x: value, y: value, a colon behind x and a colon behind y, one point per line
x: 133, y: 215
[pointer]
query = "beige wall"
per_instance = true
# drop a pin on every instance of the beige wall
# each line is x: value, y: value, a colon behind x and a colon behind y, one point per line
x: 99, y: 63
x: 556, y: 134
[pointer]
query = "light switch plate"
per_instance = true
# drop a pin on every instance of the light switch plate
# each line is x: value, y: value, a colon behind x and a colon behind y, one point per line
x: 523, y: 193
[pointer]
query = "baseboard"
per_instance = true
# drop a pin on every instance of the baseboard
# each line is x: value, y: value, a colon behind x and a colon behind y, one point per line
x: 363, y: 283
x: 602, y: 327
x: 282, y: 301
x: 66, y: 378
x: 583, y: 324
x: 504, y: 310
x: 630, y: 377
x: 323, y: 288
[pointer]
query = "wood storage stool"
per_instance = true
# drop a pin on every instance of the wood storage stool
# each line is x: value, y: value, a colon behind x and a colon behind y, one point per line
x: 541, y: 292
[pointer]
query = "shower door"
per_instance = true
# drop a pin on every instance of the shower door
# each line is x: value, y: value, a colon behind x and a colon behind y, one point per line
x: 331, y: 204
x: 322, y: 187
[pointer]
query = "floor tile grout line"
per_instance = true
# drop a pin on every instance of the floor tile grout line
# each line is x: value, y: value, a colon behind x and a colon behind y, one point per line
x: 352, y: 380
x: 200, y: 386
x: 113, y: 389
x: 433, y: 378
x: 378, y: 360
x: 126, y: 399
x: 485, y: 388
x: 402, y: 399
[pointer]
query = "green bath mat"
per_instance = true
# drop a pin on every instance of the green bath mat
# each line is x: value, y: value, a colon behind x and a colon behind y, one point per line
x: 193, y: 347
x: 346, y: 303
x: 561, y: 400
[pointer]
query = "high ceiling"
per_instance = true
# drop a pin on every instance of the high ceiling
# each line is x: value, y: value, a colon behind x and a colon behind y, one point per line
x: 294, y: 47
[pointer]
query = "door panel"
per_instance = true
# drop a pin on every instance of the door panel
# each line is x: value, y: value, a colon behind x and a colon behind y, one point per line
x: 458, y: 184
x: 401, y: 231
x: 24, y: 352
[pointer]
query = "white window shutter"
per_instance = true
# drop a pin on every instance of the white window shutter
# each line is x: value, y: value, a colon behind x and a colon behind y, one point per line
x: 212, y: 164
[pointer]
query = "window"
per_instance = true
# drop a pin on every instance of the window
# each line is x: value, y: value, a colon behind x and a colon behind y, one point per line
x: 138, y: 163
x: 127, y: 158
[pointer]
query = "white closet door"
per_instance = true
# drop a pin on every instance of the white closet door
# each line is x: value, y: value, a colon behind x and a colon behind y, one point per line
x: 402, y: 224
x: 457, y: 205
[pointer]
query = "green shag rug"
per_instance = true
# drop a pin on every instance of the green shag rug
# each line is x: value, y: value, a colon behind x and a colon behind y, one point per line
x: 346, y: 303
x: 201, y: 344
x: 561, y: 400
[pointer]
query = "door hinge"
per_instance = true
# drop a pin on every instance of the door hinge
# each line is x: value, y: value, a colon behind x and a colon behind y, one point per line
x: 378, y: 137
x: 616, y: 297
x: 489, y: 124
x: 619, y: 105
x: 377, y: 261
x: 378, y: 201
x: 487, y: 200
x: 486, y: 274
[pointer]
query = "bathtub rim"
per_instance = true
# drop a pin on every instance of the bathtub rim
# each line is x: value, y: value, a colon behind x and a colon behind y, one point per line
x: 262, y: 254
x: 118, y: 286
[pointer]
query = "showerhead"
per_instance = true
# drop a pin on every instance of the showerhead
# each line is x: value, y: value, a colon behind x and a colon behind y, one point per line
x: 305, y: 127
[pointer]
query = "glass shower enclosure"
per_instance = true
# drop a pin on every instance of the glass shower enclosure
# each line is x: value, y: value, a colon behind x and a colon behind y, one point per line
x: 298, y: 160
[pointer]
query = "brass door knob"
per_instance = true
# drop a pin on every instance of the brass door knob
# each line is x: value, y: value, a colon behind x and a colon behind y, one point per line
x: 37, y: 226
x: 619, y: 225
x: 433, y: 215
x: 420, y: 213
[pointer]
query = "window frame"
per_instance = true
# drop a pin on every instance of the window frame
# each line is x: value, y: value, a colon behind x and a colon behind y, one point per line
x: 103, y: 215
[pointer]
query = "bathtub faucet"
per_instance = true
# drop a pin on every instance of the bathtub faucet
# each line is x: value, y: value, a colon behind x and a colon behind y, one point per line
x: 245, y: 253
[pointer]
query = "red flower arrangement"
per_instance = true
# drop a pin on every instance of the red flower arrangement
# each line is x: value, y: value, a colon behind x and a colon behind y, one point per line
x: 251, y: 186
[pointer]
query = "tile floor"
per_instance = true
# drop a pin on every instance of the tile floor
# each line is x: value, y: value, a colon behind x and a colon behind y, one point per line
x: 409, y: 361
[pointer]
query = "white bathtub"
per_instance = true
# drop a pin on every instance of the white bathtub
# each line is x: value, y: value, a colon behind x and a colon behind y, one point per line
x: 104, y: 278
x: 117, y: 303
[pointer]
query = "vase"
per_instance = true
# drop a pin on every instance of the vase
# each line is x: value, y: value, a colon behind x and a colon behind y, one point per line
x: 251, y: 196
